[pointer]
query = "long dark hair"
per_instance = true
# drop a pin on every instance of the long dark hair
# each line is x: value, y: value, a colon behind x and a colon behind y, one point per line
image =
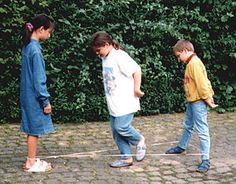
x: 34, y: 24
x: 100, y: 38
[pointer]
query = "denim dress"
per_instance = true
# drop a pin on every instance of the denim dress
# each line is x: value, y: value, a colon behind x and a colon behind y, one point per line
x: 33, y: 92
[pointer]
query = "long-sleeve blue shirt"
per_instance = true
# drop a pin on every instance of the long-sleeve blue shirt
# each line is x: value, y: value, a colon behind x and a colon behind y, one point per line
x: 33, y: 91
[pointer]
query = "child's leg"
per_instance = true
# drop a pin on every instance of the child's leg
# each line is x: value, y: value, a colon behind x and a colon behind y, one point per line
x: 32, y: 148
x: 188, y: 128
x: 201, y: 126
x: 130, y: 135
x: 141, y: 141
x: 126, y: 130
x: 122, y: 144
x: 127, y: 134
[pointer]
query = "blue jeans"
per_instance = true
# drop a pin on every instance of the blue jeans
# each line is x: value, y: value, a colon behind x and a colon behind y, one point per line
x: 196, y: 119
x: 124, y: 133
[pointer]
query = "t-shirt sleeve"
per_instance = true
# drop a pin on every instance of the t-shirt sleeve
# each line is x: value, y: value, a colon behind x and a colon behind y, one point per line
x: 39, y: 75
x: 127, y: 65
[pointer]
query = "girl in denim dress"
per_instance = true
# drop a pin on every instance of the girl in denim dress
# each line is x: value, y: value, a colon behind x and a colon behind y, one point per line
x: 34, y: 97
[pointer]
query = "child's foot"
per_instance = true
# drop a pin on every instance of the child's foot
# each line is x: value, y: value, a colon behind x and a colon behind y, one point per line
x: 29, y: 163
x: 176, y: 150
x: 39, y: 166
x: 141, y: 149
x: 122, y: 163
x: 204, y: 166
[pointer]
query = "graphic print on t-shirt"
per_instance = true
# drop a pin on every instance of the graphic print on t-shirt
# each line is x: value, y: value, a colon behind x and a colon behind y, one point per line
x: 109, y: 80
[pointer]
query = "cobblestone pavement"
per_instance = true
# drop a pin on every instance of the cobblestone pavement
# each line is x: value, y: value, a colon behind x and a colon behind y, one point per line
x: 81, y: 153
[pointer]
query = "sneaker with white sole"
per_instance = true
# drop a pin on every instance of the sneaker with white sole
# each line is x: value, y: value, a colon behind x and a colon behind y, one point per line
x: 141, y: 152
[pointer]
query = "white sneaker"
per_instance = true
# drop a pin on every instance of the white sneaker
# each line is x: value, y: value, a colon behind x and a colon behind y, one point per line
x: 141, y: 152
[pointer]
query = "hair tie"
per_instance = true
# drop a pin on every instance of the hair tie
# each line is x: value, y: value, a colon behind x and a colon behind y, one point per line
x: 29, y: 26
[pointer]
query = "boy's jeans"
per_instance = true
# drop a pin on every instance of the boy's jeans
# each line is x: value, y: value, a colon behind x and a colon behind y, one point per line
x: 124, y: 133
x: 196, y: 118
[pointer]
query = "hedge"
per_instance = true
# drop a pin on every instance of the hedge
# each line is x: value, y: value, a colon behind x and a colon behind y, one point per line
x: 146, y: 29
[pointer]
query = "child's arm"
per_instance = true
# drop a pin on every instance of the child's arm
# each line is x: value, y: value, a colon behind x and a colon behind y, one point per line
x: 202, y: 84
x: 210, y: 102
x: 137, y: 83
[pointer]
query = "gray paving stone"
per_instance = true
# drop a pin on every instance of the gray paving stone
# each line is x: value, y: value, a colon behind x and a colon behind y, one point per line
x: 81, y: 153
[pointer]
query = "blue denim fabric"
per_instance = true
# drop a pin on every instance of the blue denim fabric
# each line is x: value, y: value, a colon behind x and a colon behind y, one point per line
x: 124, y: 133
x: 33, y: 92
x: 196, y: 119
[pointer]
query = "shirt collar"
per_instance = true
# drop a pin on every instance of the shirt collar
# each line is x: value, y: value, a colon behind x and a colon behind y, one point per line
x: 190, y: 57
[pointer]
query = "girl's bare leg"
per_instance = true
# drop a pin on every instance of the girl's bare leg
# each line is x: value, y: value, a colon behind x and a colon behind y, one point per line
x: 32, y: 148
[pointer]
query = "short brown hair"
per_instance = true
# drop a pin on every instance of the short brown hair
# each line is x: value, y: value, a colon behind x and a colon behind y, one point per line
x: 183, y: 44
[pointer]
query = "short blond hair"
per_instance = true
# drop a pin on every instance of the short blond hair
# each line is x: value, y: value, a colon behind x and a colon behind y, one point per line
x: 183, y: 44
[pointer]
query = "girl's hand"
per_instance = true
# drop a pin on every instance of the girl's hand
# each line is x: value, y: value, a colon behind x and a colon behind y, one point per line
x: 47, y: 109
x: 138, y: 93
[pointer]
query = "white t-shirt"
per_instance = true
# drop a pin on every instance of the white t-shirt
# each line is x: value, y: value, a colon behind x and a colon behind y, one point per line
x: 118, y: 69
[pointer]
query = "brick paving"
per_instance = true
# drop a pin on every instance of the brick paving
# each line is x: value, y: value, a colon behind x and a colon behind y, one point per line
x: 81, y: 153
